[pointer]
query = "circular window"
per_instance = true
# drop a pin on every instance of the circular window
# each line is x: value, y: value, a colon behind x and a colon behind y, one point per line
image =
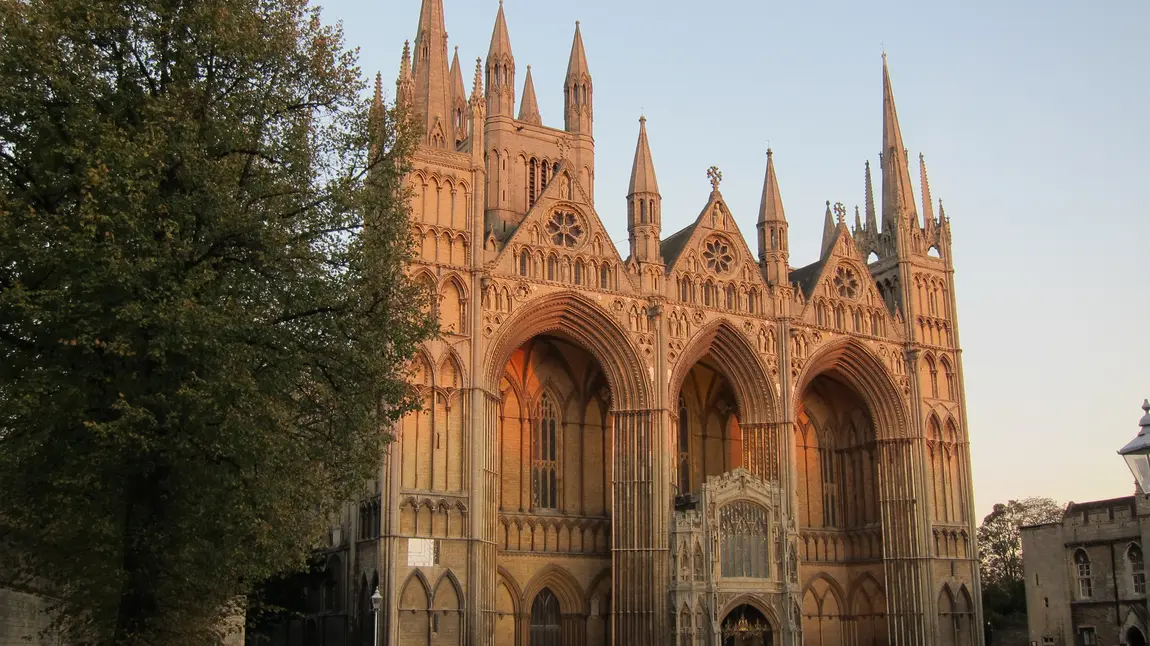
x: 717, y: 255
x: 846, y: 282
x: 565, y: 229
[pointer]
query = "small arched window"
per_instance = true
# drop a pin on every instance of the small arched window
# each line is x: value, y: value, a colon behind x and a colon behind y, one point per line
x: 578, y: 272
x: 524, y: 262
x: 948, y: 374
x: 642, y: 212
x: 752, y: 302
x: 604, y: 276
x: 1137, y: 568
x: 1082, y: 565
x: 730, y: 297
x: 684, y: 290
x: 550, y: 267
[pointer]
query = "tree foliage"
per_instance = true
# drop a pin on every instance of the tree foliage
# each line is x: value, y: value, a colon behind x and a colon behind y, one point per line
x: 1000, y: 553
x: 201, y: 343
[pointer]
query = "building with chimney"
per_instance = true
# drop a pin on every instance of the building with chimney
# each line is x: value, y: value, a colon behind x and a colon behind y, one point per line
x: 690, y: 442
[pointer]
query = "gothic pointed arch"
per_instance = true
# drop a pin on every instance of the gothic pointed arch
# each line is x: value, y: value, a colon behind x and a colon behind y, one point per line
x: 448, y: 593
x: 451, y: 373
x: 564, y: 586
x: 415, y: 593
x: 753, y: 601
x: 586, y: 323
x: 867, y: 593
x: 736, y: 357
x: 860, y: 369
x: 833, y: 587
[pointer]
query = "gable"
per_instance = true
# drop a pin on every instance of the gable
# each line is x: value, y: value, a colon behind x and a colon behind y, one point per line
x: 710, y: 259
x: 562, y: 239
x: 841, y: 293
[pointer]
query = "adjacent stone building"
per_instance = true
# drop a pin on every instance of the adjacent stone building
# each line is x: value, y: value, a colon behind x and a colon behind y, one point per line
x: 694, y: 443
x: 1086, y: 575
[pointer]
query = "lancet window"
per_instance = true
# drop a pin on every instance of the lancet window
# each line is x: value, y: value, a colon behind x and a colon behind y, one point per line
x: 830, y: 507
x: 744, y: 534
x: 546, y: 629
x: 545, y: 456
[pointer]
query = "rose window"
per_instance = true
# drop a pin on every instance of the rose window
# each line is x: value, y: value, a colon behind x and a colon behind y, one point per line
x: 718, y: 256
x: 565, y: 229
x: 846, y: 283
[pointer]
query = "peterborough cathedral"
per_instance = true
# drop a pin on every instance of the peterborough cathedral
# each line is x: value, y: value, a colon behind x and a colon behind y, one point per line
x: 695, y: 443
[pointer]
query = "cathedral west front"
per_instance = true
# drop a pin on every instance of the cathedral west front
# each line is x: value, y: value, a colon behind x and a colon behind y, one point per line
x: 691, y: 442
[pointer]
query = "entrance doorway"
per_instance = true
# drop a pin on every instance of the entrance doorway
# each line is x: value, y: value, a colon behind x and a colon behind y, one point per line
x: 746, y: 626
x: 1134, y: 637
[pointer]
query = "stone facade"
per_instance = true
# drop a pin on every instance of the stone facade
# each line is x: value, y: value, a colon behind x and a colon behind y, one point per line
x: 1086, y: 577
x: 693, y: 444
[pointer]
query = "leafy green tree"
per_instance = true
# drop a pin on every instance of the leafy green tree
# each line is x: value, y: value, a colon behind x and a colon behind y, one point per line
x: 1000, y: 554
x: 204, y: 317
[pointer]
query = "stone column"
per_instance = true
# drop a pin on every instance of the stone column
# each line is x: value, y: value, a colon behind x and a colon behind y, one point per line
x: 484, y: 519
x: 906, y: 555
x: 640, y: 527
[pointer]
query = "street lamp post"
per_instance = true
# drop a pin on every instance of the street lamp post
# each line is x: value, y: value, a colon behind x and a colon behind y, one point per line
x: 376, y: 601
x: 1137, y: 452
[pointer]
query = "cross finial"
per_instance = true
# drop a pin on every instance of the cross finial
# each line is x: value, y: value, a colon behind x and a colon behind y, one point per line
x: 563, y: 146
x: 716, y: 176
x: 840, y: 212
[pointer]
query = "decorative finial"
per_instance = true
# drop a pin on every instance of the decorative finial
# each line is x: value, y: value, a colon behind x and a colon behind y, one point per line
x: 840, y: 212
x: 563, y: 146
x: 769, y: 151
x: 1146, y: 406
x: 716, y: 177
x: 576, y: 23
x: 642, y: 118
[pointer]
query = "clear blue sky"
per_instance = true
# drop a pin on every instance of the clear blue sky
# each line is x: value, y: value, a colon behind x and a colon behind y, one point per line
x: 1035, y: 121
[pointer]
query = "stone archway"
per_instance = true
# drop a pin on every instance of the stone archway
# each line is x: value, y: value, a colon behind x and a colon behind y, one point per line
x: 746, y: 625
x: 1134, y: 637
x: 562, y: 373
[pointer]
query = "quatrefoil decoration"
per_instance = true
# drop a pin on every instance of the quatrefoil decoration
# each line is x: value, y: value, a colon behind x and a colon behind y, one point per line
x: 846, y: 282
x: 717, y: 255
x: 565, y: 229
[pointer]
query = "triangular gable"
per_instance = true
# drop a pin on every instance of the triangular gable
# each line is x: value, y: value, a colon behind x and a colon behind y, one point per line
x: 841, y: 280
x: 582, y: 237
x: 687, y: 250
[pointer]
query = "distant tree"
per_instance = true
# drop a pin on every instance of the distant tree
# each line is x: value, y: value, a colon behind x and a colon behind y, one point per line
x: 204, y: 316
x: 1000, y: 553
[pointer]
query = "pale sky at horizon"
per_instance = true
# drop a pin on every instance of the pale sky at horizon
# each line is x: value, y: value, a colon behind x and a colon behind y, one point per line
x: 1035, y: 122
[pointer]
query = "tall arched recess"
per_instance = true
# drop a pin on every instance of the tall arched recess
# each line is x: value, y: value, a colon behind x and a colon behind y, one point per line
x: 724, y: 409
x: 573, y: 454
x: 861, y: 509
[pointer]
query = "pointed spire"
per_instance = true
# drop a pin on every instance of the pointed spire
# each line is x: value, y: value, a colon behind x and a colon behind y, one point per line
x: 500, y: 69
x: 927, y: 203
x: 377, y: 99
x: 577, y: 65
x: 858, y: 221
x: 578, y: 114
x: 871, y: 218
x: 643, y: 169
x: 771, y: 205
x: 898, y: 197
x: 529, y: 107
x: 477, y: 82
x: 405, y: 84
x: 500, y: 40
x: 828, y: 231
x: 458, y: 92
x: 432, y: 80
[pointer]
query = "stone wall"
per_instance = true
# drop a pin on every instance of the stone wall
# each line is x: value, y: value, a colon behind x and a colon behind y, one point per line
x: 23, y: 620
